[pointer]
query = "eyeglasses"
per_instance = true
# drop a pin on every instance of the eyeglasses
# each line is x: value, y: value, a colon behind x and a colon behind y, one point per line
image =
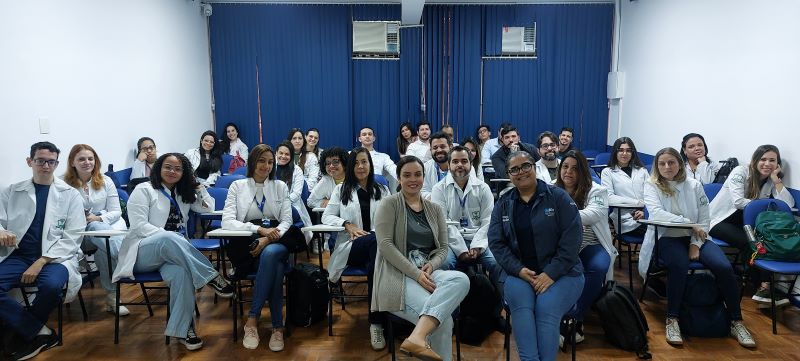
x: 548, y: 145
x: 41, y: 162
x: 172, y: 169
x: 148, y: 148
x: 333, y: 163
x: 625, y: 150
x: 524, y: 168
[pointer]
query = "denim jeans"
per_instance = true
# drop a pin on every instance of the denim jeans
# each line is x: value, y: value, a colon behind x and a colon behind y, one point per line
x: 536, y: 318
x: 595, y: 261
x: 451, y: 288
x: 674, y: 253
x: 486, y: 259
x: 269, y: 283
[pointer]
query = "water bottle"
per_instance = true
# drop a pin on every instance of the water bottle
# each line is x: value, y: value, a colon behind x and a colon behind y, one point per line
x: 751, y: 235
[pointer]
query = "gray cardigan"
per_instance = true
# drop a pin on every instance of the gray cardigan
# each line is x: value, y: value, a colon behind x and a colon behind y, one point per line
x: 391, y: 264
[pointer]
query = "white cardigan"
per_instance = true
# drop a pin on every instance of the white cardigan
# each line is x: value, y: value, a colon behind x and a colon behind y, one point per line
x: 624, y: 189
x: 595, y: 214
x: 732, y: 195
x: 194, y: 158
x: 479, y: 206
x: 148, y: 210
x: 238, y: 146
x: 241, y: 194
x: 321, y: 191
x: 691, y: 199
x: 63, y: 219
x: 335, y: 215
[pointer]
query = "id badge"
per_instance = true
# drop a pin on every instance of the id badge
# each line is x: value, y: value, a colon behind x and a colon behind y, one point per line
x: 464, y: 222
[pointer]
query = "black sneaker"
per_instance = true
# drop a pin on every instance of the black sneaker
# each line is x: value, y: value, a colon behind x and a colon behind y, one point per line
x: 221, y: 287
x: 192, y: 341
x: 34, y: 347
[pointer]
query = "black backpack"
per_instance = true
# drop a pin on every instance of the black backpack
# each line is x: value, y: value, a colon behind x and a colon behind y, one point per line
x: 479, y: 310
x: 623, y: 320
x: 703, y: 313
x: 308, y: 294
x: 725, y: 169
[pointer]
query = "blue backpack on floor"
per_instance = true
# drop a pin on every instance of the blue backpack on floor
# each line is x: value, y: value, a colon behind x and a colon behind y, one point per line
x: 703, y: 313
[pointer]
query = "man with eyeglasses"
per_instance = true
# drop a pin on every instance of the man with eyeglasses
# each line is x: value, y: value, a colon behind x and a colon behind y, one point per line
x: 511, y: 143
x: 437, y: 168
x: 547, y: 166
x: 382, y: 163
x: 39, y: 245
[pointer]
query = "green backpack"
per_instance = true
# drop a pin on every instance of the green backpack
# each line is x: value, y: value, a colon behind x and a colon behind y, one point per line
x: 777, y: 237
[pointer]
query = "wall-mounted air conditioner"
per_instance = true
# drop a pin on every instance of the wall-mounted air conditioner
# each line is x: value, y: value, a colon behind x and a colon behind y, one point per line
x: 376, y: 39
x: 519, y: 40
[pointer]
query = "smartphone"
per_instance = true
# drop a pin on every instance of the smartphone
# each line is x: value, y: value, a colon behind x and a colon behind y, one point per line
x: 254, y: 244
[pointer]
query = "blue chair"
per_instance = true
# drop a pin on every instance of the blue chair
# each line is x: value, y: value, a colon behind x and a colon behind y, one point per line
x: 590, y: 153
x: 226, y: 180
x: 121, y: 177
x: 219, y: 195
x: 305, y: 193
x: 350, y: 272
x: 711, y: 190
x: 751, y: 211
x: 631, y: 244
x: 595, y: 178
x: 381, y: 180
x: 240, y: 171
x: 600, y: 161
x: 226, y: 163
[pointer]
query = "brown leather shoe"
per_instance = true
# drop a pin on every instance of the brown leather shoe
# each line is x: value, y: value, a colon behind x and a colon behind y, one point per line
x: 422, y: 352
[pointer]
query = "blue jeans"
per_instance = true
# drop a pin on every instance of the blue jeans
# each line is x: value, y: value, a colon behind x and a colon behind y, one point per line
x: 595, y: 261
x: 674, y: 253
x: 50, y: 287
x: 101, y: 256
x: 269, y: 283
x: 536, y: 318
x: 486, y: 259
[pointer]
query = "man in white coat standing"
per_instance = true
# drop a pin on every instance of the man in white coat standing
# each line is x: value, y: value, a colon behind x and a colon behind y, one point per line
x: 39, y: 246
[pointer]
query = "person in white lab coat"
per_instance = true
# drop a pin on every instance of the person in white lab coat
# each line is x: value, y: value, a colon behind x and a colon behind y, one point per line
x: 292, y: 175
x: 145, y: 157
x: 158, y: 211
x: 547, y: 165
x: 206, y: 159
x: 421, y: 148
x: 624, y: 178
x: 384, y: 165
x: 438, y: 167
x: 103, y: 212
x: 695, y: 156
x: 306, y: 160
x: 475, y: 155
x: 597, y: 252
x: 352, y: 206
x: 312, y: 142
x: 39, y: 245
x: 673, y: 197
x: 334, y: 161
x: 232, y: 144
x: 252, y: 205
x: 762, y: 178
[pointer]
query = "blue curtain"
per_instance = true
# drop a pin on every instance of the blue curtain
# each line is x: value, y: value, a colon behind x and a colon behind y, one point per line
x: 295, y: 61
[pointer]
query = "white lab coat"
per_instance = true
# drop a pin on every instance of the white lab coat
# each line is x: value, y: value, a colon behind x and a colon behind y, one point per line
x: 420, y: 149
x: 241, y: 194
x: 194, y: 158
x: 544, y: 174
x: 148, y: 210
x: 311, y: 170
x: 238, y: 146
x: 63, y: 219
x: 690, y: 198
x: 295, y: 192
x: 732, y: 195
x: 335, y: 215
x: 431, y: 178
x: 704, y: 173
x: 321, y: 191
x: 477, y: 208
x: 106, y: 202
x: 138, y: 169
x: 385, y: 166
x: 595, y: 215
x: 624, y: 189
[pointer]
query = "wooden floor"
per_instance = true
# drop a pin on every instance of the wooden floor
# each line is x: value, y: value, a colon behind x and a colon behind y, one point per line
x: 142, y: 337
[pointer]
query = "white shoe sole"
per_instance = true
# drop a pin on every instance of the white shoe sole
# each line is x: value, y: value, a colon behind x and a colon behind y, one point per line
x: 767, y: 301
x: 123, y: 311
x: 191, y: 347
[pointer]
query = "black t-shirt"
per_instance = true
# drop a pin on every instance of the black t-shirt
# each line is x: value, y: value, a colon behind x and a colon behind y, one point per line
x: 363, y: 200
x: 524, y: 233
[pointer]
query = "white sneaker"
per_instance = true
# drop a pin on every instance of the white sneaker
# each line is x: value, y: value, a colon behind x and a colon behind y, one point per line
x: 250, y: 340
x: 376, y: 337
x: 742, y: 335
x: 111, y: 302
x: 276, y: 341
x: 674, y: 332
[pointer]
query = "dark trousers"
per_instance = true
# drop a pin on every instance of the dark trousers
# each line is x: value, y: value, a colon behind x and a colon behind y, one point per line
x: 362, y: 254
x: 731, y: 230
x: 50, y: 287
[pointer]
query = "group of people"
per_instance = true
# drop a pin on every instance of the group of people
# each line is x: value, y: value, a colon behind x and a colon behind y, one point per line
x: 413, y: 224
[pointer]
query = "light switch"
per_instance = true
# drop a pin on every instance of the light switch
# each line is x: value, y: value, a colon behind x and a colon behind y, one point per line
x: 44, y: 126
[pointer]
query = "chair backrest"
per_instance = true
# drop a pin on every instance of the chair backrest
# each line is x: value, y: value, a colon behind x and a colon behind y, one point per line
x: 590, y: 153
x: 602, y: 158
x: 120, y: 177
x: 219, y: 195
x: 757, y: 206
x: 226, y: 180
x: 305, y: 193
x: 595, y: 178
x: 123, y: 195
x: 380, y: 179
x: 226, y: 162
x: 711, y: 190
x: 240, y: 171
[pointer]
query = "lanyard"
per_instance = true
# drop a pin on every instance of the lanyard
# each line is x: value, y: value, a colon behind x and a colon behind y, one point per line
x: 180, y: 228
x: 260, y: 205
x: 440, y: 174
x: 462, y: 201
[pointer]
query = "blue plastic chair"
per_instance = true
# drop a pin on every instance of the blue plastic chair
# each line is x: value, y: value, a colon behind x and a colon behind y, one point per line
x: 381, y: 180
x: 226, y: 180
x: 121, y: 177
x: 711, y: 190
x: 349, y: 272
x: 240, y: 171
x: 600, y: 161
x: 590, y: 153
x: 751, y: 211
x: 226, y: 163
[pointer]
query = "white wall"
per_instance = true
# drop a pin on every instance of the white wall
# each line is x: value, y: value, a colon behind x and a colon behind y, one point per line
x: 727, y: 69
x: 104, y: 73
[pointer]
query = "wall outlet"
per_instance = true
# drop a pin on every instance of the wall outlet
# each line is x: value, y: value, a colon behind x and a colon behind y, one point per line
x: 44, y: 125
